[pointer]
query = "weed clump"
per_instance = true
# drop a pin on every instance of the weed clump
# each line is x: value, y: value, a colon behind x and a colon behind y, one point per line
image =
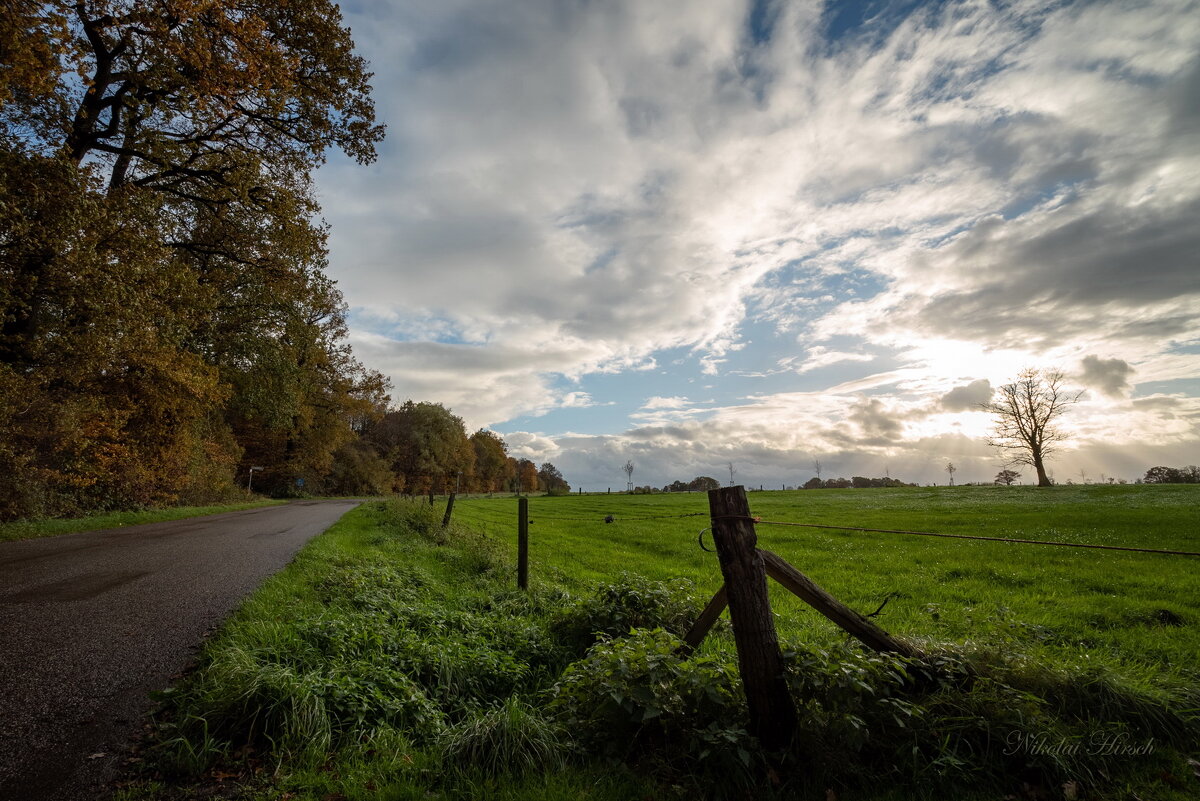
x: 512, y: 738
x: 631, y: 602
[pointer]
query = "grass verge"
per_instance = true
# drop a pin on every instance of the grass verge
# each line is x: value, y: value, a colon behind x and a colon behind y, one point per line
x: 394, y: 660
x: 33, y: 529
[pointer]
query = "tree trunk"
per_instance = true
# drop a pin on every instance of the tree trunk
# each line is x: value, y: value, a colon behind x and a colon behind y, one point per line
x: 1043, y: 479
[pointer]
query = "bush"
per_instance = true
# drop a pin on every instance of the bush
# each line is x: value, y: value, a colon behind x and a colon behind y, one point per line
x: 630, y: 602
x: 638, y: 696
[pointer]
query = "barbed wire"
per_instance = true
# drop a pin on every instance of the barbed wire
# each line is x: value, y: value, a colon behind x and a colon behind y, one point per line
x: 762, y: 522
x: 616, y: 519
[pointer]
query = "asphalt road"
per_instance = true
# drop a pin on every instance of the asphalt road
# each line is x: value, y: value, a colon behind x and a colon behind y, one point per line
x: 90, y: 623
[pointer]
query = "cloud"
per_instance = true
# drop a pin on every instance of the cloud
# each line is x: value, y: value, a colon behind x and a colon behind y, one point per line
x: 819, y: 356
x: 877, y: 422
x: 657, y: 402
x: 1110, y: 376
x: 967, y: 397
x: 920, y: 207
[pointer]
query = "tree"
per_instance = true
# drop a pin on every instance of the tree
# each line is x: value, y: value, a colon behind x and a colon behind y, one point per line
x: 491, y: 453
x: 1026, y: 411
x: 551, y: 479
x: 164, y: 314
x: 627, y: 469
x: 527, y: 476
x: 816, y: 466
x: 950, y: 468
x: 425, y: 445
x: 1172, y: 475
x: 1007, y: 477
x: 703, y: 484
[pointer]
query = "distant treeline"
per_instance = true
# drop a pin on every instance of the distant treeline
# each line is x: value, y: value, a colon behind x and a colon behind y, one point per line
x: 423, y: 447
x: 857, y: 482
x: 1173, y: 475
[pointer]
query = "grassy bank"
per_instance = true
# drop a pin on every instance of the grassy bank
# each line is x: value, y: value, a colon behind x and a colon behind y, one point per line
x: 32, y: 529
x: 394, y: 660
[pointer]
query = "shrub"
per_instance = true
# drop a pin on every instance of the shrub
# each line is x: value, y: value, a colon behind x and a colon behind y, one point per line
x: 631, y: 602
x: 638, y: 695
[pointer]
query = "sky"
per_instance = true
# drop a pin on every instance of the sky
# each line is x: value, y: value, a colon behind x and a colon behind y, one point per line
x: 694, y: 233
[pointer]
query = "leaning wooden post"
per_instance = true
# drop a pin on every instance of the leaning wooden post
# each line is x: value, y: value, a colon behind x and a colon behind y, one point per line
x: 772, y: 712
x: 449, y: 509
x: 858, y: 625
x: 523, y: 543
x: 704, y: 623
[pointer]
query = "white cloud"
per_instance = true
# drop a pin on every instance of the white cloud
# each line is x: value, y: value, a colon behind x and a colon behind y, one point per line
x: 569, y: 189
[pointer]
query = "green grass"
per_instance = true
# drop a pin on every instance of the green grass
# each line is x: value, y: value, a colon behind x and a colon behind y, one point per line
x: 396, y: 660
x: 32, y: 529
x: 1137, y: 613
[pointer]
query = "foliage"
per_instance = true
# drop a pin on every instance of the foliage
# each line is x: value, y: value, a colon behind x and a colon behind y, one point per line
x: 1007, y: 477
x: 630, y: 602
x: 637, y: 698
x: 1172, y: 475
x: 491, y: 460
x: 551, y: 480
x: 857, y: 482
x: 164, y: 317
x: 697, y: 484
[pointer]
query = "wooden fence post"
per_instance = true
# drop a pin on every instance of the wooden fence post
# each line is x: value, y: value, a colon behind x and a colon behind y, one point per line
x: 772, y: 711
x: 449, y: 509
x: 523, y: 543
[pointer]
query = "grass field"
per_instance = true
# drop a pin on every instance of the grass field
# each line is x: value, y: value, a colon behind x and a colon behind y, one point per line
x: 1136, y: 612
x: 396, y: 660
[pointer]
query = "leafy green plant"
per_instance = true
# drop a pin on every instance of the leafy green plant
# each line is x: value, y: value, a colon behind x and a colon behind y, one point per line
x: 630, y: 602
x: 637, y: 697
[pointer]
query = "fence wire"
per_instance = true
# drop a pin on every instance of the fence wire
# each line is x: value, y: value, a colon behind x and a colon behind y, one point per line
x: 961, y: 536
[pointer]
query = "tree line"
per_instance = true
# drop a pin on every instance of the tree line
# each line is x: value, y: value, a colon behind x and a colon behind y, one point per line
x: 423, y: 447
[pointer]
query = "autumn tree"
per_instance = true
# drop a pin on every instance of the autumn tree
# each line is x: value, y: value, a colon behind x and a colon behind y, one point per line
x: 1026, y: 412
x: 425, y: 444
x: 491, y: 455
x: 551, y: 479
x: 163, y: 309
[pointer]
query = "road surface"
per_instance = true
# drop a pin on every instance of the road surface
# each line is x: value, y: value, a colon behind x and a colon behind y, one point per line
x: 90, y: 623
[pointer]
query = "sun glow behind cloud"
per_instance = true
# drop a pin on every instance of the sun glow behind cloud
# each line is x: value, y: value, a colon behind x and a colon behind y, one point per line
x: 585, y: 214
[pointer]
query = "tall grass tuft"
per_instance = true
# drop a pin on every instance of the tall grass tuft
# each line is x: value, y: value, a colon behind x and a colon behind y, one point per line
x: 511, y: 738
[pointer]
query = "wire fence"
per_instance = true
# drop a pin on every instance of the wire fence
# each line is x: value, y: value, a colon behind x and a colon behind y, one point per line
x: 597, y: 518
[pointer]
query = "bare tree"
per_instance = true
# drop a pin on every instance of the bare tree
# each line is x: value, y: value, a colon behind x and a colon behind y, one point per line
x: 1025, y: 413
x: 816, y: 466
x: 628, y: 471
x: 950, y: 468
x: 731, y: 472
